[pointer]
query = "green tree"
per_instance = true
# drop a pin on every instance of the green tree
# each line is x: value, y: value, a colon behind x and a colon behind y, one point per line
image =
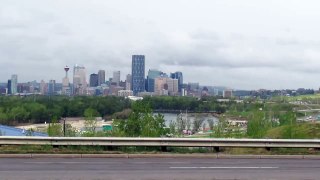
x: 142, y: 122
x: 55, y: 128
x: 4, y: 117
x: 38, y: 112
x: 210, y: 123
x: 90, y: 123
x: 289, y: 118
x: 258, y: 125
x: 220, y: 128
x: 172, y: 127
x: 70, y: 131
x: 19, y: 114
x: 197, y: 123
x: 181, y: 123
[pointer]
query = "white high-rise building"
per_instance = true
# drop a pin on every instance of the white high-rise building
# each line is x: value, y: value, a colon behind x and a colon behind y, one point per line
x: 43, y: 87
x: 101, y: 77
x: 14, y: 84
x: 128, y: 82
x: 79, y: 80
x: 116, y: 77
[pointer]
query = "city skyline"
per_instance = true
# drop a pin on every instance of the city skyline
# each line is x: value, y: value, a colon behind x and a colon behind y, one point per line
x: 238, y: 44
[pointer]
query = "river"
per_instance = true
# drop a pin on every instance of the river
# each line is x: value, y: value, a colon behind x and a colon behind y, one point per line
x: 173, y: 117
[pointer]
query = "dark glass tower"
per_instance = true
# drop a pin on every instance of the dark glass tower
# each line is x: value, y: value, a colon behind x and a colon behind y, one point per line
x: 9, y: 86
x: 94, y: 80
x: 138, y: 74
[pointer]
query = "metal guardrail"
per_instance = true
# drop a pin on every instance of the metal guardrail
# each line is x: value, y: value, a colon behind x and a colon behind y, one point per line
x: 160, y: 142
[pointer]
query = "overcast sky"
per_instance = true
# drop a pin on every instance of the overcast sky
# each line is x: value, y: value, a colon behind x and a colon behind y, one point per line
x: 241, y: 44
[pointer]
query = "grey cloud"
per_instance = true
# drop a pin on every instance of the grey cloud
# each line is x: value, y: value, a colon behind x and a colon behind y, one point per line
x: 39, y: 37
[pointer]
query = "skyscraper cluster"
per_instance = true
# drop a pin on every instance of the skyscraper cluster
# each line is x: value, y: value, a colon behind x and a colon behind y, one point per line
x: 137, y: 83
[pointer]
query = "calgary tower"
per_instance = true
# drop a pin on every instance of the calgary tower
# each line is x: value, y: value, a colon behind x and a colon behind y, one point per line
x: 66, y: 68
x: 65, y: 83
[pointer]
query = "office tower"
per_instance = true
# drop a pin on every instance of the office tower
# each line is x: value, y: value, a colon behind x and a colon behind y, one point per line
x: 152, y: 74
x: 128, y: 81
x: 165, y: 86
x: 33, y: 86
x: 51, y: 87
x: 79, y: 80
x: 14, y: 84
x: 66, y: 90
x: 116, y: 77
x: 138, y: 74
x: 161, y: 86
x: 179, y: 76
x: 9, y: 87
x: 101, y: 77
x: 43, y: 87
x: 173, y: 86
x: 94, y: 80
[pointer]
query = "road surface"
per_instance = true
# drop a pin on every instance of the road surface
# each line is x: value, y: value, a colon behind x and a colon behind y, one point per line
x: 158, y: 168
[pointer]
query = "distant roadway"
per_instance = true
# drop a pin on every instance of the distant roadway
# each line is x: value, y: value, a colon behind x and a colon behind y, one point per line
x: 158, y: 168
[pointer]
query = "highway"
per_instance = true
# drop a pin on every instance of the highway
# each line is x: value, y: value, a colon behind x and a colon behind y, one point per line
x: 158, y: 168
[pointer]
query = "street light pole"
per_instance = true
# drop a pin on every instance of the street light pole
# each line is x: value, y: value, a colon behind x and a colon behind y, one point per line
x: 64, y: 127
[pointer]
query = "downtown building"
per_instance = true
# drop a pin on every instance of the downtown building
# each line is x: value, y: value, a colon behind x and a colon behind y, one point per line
x: 9, y: 87
x: 128, y: 81
x: 165, y: 86
x: 14, y: 84
x: 152, y: 74
x: 52, y: 87
x: 116, y: 77
x: 138, y: 74
x: 94, y: 80
x: 178, y: 75
x: 79, y: 80
x: 43, y: 87
x: 101, y: 77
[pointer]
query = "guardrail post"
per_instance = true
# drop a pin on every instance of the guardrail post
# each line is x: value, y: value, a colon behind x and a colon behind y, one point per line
x: 164, y: 148
x: 316, y: 149
x: 108, y: 148
x: 217, y: 148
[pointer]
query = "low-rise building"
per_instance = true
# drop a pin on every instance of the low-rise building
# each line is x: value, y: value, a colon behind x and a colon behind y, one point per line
x: 125, y: 93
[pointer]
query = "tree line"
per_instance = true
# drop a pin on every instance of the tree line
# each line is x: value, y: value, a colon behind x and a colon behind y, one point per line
x: 39, y: 109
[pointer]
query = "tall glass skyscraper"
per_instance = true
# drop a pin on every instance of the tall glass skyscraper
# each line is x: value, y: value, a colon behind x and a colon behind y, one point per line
x: 51, y: 87
x: 14, y: 84
x: 138, y: 73
x: 9, y: 87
